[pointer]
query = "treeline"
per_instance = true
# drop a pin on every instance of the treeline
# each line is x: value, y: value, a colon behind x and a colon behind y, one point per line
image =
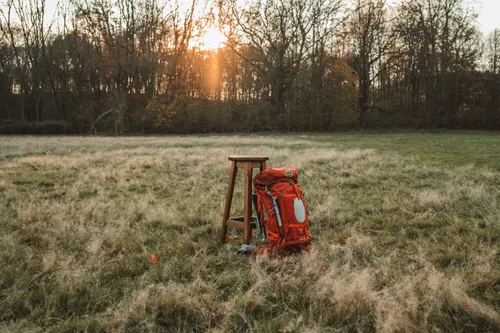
x: 317, y: 65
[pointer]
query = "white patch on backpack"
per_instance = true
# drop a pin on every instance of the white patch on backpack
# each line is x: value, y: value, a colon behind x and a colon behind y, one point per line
x: 300, y: 210
x: 288, y: 173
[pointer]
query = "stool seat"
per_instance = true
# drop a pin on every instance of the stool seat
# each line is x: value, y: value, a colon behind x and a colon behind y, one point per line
x: 248, y: 158
x: 248, y: 163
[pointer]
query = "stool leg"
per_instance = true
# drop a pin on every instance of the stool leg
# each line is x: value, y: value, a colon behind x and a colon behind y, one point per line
x: 229, y: 199
x: 263, y: 166
x: 247, y: 237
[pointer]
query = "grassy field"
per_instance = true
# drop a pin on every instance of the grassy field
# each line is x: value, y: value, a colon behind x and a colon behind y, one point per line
x: 406, y: 235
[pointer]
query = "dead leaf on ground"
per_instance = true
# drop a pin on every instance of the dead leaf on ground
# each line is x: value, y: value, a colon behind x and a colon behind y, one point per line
x: 154, y: 258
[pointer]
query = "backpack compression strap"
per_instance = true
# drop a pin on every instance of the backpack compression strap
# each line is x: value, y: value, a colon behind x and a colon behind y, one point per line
x: 278, y: 215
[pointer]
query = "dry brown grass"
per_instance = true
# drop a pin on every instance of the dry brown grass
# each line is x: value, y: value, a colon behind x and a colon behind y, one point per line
x: 80, y: 217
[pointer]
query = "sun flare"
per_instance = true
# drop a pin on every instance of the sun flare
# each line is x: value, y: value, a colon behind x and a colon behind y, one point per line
x: 212, y: 39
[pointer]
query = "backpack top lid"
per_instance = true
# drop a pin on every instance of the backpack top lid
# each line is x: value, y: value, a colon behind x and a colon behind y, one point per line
x: 274, y: 175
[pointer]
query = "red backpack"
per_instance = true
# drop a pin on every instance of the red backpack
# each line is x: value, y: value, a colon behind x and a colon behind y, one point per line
x: 282, y: 209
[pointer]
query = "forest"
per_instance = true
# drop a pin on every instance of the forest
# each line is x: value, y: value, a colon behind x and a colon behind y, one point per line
x: 144, y: 66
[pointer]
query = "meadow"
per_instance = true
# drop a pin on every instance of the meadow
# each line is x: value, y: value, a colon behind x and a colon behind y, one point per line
x: 405, y: 227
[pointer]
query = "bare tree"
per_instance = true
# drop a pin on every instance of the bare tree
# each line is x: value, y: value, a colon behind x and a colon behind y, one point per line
x: 493, y: 51
x: 273, y: 36
x: 442, y: 46
x: 25, y: 29
x: 493, y: 79
x: 372, y: 39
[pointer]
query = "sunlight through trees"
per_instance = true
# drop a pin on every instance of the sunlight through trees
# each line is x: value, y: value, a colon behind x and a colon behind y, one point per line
x: 157, y: 65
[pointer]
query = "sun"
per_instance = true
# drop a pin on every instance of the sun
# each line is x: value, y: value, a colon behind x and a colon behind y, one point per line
x: 212, y: 39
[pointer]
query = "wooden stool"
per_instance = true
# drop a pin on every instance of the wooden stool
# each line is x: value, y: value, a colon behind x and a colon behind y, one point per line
x: 248, y: 163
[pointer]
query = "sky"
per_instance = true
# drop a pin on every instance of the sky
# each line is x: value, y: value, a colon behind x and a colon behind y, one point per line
x: 489, y: 13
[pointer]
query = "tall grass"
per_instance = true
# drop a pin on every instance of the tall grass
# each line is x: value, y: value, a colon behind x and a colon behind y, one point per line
x: 405, y: 238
